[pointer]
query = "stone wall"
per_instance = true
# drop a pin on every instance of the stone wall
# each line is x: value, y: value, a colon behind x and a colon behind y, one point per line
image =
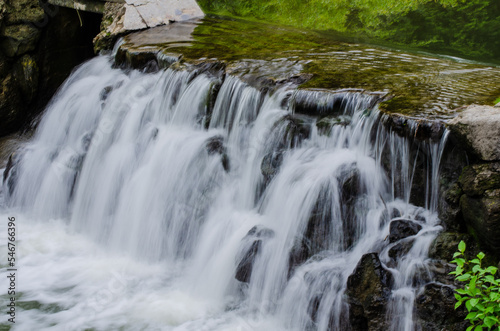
x: 477, y: 129
x: 39, y: 46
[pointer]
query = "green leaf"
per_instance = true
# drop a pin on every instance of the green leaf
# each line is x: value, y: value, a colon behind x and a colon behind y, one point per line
x: 475, y: 261
x: 463, y: 278
x: 456, y: 254
x: 478, y: 328
x: 461, y: 291
x: 480, y: 255
x: 458, y: 304
x: 471, y: 315
x: 470, y: 328
x: 474, y: 302
x: 461, y: 246
x: 468, y: 305
x: 492, y: 270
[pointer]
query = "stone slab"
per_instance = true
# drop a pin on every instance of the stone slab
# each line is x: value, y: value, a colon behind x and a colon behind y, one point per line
x: 479, y: 128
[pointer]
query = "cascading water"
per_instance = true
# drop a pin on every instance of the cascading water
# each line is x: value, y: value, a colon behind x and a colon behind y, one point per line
x: 141, y: 208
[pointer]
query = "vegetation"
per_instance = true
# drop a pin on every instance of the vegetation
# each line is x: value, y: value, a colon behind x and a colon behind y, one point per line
x: 468, y: 28
x: 481, y: 292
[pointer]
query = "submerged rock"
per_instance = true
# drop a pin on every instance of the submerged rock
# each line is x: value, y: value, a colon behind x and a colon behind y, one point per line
x: 368, y: 292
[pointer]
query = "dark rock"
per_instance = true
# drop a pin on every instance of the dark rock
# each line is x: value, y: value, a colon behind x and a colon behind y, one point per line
x: 420, y: 129
x: 253, y: 241
x: 368, y: 292
x: 435, y: 309
x: 400, y: 249
x: 19, y: 39
x: 271, y: 164
x: 446, y: 244
x: 10, y: 172
x: 478, y: 178
x: 326, y: 124
x: 27, y: 73
x: 482, y: 216
x: 244, y: 268
x: 215, y: 145
x: 400, y: 229
x: 12, y: 110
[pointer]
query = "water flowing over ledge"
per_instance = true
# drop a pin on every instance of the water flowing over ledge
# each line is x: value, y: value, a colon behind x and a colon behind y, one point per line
x: 197, y: 201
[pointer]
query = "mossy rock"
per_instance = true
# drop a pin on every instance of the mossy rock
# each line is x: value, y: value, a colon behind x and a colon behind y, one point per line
x: 478, y: 178
x: 19, y: 39
x: 24, y: 11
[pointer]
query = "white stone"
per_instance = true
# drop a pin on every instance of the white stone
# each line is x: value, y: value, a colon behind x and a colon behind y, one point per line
x: 480, y: 127
x: 497, y: 105
x: 132, y: 19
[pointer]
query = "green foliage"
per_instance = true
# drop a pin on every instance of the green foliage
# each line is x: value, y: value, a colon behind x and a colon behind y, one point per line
x: 496, y: 101
x: 481, y: 292
x: 469, y: 28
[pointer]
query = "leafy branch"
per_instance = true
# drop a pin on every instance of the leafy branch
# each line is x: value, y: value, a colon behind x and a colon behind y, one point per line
x: 481, y: 292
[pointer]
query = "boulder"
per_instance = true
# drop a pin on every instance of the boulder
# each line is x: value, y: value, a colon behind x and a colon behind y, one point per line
x: 400, y: 229
x: 368, y: 292
x: 478, y: 128
x: 435, y: 309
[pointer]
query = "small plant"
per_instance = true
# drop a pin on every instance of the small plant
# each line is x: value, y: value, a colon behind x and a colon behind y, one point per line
x: 497, y: 101
x: 481, y: 292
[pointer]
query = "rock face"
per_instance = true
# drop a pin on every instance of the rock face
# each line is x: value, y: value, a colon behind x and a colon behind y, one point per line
x: 120, y: 19
x: 480, y: 203
x: 479, y: 128
x: 368, y: 292
x: 39, y: 46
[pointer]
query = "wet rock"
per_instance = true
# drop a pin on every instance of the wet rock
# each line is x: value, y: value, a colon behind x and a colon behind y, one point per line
x: 478, y: 178
x: 271, y: 163
x: 478, y: 128
x: 435, y: 309
x: 326, y: 124
x: 400, y: 229
x: 421, y: 129
x: 215, y: 145
x: 253, y: 241
x: 400, y: 249
x: 482, y: 216
x: 244, y: 268
x: 10, y: 173
x: 368, y: 292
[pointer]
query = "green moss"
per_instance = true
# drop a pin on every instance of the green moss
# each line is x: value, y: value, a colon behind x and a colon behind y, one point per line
x: 469, y: 28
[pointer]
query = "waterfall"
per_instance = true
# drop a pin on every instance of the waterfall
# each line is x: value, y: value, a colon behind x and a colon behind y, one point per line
x: 179, y: 200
